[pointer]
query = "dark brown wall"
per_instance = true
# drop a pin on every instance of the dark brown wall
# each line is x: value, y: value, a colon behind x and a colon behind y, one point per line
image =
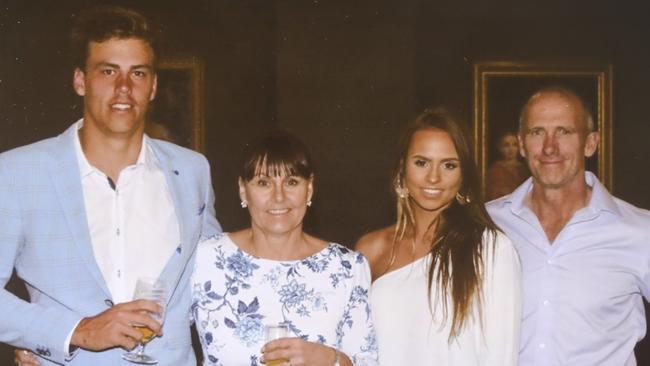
x: 605, y: 31
x: 346, y: 83
x: 344, y: 75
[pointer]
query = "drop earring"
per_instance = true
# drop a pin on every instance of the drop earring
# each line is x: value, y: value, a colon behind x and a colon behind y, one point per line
x: 401, y: 192
x: 463, y: 200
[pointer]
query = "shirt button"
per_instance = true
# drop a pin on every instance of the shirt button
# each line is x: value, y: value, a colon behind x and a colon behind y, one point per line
x: 542, y: 345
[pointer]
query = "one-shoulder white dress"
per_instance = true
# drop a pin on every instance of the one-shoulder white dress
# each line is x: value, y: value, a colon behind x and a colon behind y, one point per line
x: 411, y: 331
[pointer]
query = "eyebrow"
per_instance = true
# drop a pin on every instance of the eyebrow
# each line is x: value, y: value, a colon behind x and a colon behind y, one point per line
x: 552, y: 128
x: 428, y: 159
x: 116, y: 66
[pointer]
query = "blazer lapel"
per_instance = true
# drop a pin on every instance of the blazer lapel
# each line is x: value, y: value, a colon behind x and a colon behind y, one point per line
x: 65, y: 175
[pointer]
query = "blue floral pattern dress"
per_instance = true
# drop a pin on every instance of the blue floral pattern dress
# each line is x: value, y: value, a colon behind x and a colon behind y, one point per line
x: 322, y: 298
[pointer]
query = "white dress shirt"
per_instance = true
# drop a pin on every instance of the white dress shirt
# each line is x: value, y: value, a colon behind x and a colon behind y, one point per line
x: 132, y: 222
x: 583, y: 293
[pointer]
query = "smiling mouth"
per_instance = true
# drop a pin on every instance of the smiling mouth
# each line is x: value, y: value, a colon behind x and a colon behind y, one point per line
x: 431, y: 191
x: 550, y: 162
x: 278, y: 211
x: 121, y: 106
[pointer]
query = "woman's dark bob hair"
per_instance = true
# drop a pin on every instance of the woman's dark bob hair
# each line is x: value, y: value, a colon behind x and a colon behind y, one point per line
x: 277, y: 153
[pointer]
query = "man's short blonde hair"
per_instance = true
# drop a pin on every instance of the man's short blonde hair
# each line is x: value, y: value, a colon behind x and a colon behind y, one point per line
x: 588, y: 118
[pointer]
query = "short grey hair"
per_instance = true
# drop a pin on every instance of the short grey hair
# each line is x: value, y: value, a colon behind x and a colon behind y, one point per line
x: 565, y: 92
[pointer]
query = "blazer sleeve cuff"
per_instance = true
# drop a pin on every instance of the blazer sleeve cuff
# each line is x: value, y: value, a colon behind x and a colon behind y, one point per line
x: 52, y: 332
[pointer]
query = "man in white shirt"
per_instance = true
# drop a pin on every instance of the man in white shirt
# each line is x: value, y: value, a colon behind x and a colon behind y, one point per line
x: 585, y: 254
x: 85, y: 214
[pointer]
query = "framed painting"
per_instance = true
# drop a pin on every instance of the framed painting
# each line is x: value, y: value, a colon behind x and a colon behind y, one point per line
x: 502, y: 87
x: 177, y: 113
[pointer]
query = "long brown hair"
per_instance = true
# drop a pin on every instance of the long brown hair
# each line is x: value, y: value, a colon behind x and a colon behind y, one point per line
x: 457, y: 244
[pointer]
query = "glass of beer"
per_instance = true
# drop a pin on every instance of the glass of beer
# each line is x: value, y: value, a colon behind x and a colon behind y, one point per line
x: 271, y: 333
x: 156, y: 291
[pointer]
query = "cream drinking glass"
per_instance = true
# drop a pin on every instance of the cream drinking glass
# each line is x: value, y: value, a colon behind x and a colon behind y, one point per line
x: 271, y: 333
x: 156, y: 291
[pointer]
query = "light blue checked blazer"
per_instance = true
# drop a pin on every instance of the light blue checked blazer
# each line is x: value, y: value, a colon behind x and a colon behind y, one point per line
x: 44, y: 235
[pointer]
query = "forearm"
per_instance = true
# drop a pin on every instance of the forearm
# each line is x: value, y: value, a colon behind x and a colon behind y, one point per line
x: 35, y: 327
x: 344, y: 360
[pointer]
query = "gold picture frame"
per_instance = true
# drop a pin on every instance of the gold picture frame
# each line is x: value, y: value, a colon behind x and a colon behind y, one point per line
x: 177, y: 112
x: 502, y: 87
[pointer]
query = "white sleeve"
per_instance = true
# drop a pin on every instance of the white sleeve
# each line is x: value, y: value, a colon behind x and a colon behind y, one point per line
x: 358, y: 339
x: 501, y: 306
x: 66, y: 347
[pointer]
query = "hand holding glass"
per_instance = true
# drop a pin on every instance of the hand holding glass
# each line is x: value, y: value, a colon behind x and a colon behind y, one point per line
x: 271, y: 333
x: 156, y: 291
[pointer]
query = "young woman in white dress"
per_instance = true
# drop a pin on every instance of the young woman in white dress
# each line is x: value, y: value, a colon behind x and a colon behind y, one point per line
x: 275, y: 273
x: 447, y: 282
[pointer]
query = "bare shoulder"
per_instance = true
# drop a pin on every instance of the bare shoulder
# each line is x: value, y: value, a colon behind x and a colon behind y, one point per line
x: 375, y: 241
x: 375, y: 246
x: 242, y: 239
x: 239, y: 235
x: 316, y: 242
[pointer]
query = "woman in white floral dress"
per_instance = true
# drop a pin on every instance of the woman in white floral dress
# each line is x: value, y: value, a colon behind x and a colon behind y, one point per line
x: 274, y: 273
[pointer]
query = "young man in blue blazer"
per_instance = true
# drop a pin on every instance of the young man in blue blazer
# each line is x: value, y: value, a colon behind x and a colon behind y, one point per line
x: 85, y: 214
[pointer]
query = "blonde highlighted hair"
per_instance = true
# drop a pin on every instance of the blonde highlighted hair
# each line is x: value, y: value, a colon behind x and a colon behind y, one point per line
x: 459, y: 230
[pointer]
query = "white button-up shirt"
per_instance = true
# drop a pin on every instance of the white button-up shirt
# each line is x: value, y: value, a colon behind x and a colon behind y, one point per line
x: 132, y: 222
x: 583, y: 293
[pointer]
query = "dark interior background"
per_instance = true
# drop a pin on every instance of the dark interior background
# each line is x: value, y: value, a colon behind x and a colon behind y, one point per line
x: 343, y: 75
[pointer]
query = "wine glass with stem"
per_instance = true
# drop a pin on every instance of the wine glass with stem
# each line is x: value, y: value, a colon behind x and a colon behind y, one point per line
x: 156, y: 291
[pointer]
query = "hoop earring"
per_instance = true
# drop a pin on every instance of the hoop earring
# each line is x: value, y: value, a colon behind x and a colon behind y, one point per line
x: 243, y: 204
x: 462, y: 200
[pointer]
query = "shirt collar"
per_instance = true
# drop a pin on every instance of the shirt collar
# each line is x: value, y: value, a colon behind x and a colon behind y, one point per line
x: 601, y: 199
x: 146, y: 157
x: 517, y: 198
